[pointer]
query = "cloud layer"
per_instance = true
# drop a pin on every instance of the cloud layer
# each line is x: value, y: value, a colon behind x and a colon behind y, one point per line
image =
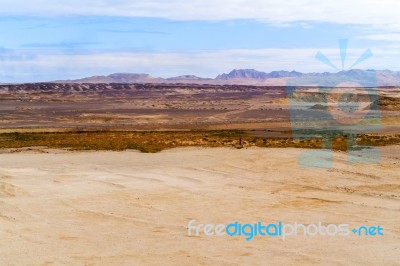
x: 23, y: 66
x: 372, y: 12
x: 104, y: 42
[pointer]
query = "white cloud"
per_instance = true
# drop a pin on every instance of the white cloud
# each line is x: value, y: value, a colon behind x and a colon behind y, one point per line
x: 50, y: 66
x: 395, y: 37
x: 371, y: 12
x: 380, y: 16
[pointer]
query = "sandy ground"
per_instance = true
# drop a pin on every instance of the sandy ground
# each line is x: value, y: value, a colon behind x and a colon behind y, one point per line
x: 128, y: 208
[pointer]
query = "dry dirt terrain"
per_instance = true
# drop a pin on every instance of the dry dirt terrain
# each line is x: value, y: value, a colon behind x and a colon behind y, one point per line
x: 180, y: 106
x: 75, y: 190
x: 130, y: 208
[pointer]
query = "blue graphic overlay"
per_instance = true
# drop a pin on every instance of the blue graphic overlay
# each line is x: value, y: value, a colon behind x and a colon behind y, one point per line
x: 343, y: 104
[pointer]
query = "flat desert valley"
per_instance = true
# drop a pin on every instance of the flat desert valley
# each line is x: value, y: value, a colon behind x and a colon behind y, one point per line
x: 112, y: 174
x: 129, y: 208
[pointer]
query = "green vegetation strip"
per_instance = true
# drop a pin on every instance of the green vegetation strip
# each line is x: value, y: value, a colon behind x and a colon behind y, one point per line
x: 155, y: 141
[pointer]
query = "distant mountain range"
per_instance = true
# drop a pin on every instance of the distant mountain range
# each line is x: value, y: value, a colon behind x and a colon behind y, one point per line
x: 353, y: 77
x: 254, y: 74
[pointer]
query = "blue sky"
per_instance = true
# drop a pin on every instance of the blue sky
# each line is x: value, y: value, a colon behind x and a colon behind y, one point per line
x: 49, y: 40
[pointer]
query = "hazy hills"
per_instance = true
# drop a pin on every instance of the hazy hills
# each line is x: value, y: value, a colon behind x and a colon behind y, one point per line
x: 254, y: 74
x: 254, y: 77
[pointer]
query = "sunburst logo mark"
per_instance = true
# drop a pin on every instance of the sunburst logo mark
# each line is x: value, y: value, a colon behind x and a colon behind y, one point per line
x: 343, y: 55
x: 351, y: 106
x: 345, y: 105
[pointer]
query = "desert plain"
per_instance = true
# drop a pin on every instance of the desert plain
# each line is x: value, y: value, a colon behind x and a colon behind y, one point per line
x: 131, y: 208
x: 76, y: 190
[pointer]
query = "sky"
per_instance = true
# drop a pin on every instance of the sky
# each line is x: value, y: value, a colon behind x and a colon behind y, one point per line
x: 44, y: 40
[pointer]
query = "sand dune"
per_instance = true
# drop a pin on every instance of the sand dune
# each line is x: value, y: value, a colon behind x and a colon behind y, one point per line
x: 128, y: 208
